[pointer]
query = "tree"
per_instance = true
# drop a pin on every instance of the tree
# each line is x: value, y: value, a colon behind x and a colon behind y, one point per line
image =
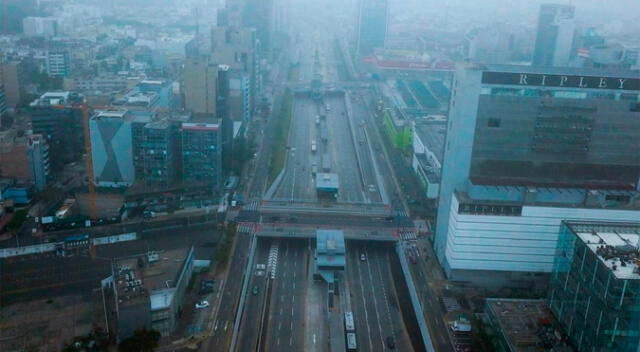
x: 143, y: 340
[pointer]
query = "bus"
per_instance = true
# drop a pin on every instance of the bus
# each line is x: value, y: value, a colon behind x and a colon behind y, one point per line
x: 348, y: 321
x: 76, y: 241
x: 351, y: 341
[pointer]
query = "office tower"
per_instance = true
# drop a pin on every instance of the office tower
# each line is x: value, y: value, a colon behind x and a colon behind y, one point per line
x: 111, y: 148
x: 259, y: 14
x: 554, y: 36
x: 58, y: 63
x: 526, y: 148
x: 24, y: 158
x: 372, y: 26
x: 238, y: 49
x: 156, y: 148
x: 3, y: 102
x: 202, y: 152
x: 200, y: 82
x: 40, y: 27
x: 58, y: 118
x: 11, y: 77
x: 595, y: 285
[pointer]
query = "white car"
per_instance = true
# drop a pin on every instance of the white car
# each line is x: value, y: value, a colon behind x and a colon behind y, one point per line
x: 362, y: 257
x: 202, y: 304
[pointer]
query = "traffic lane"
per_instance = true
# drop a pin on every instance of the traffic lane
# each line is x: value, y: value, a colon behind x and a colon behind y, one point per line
x: 225, y: 316
x: 303, y: 188
x: 392, y: 317
x: 369, y: 332
x: 286, y: 313
x: 251, y: 317
x: 343, y: 151
x: 431, y: 308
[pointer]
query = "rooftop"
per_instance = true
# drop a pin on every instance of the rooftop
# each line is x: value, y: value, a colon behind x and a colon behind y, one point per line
x: 200, y: 126
x: 327, y: 181
x: 53, y: 98
x: 159, y: 271
x: 330, y: 253
x: 431, y: 132
x: 111, y: 114
x: 582, y: 71
x: 526, y: 325
x: 617, y: 245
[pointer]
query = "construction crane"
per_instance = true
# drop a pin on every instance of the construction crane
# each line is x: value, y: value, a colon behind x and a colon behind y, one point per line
x: 89, y: 158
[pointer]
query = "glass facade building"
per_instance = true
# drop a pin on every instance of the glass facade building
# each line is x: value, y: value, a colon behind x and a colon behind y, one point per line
x: 595, y: 285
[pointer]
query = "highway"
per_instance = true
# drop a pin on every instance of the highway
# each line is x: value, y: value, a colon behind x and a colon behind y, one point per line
x: 297, y: 183
x: 252, y: 313
x: 373, y: 298
x: 285, y: 323
x: 225, y: 314
x: 423, y: 272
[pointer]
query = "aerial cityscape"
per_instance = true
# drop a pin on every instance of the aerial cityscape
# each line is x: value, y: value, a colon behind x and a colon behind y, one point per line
x: 320, y: 175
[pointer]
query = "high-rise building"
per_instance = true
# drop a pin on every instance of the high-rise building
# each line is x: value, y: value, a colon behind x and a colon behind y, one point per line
x: 239, y: 50
x: 554, y: 36
x: 24, y: 158
x: 57, y: 117
x: 58, y: 63
x: 259, y: 15
x: 372, y: 26
x: 3, y: 102
x: 10, y: 77
x: 199, y: 87
x: 111, y: 148
x: 156, y: 145
x: 40, y: 26
x: 594, y: 290
x: 527, y: 148
x: 202, y: 153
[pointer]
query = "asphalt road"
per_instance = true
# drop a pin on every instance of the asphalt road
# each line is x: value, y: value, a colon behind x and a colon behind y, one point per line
x: 297, y: 183
x: 251, y: 317
x: 373, y: 299
x: 222, y: 329
x: 286, y: 326
x: 432, y: 310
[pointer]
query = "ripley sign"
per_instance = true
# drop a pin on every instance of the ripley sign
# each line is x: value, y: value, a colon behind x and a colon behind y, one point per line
x: 568, y: 81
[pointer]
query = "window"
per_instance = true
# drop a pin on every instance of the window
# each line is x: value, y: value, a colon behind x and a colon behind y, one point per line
x: 493, y: 122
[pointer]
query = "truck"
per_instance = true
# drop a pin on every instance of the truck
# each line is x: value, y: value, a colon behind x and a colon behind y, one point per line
x: 460, y: 325
x: 326, y: 164
x: 324, y: 134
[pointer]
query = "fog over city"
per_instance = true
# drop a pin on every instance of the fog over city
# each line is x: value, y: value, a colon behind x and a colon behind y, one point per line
x: 320, y: 175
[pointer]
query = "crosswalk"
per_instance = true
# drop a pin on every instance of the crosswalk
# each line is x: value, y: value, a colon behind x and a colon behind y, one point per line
x: 408, y: 236
x: 272, y: 263
x: 246, y: 227
x: 252, y: 206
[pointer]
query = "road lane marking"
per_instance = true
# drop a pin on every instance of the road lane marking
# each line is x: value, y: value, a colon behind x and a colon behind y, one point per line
x: 226, y: 323
x: 291, y: 311
x: 314, y: 339
x: 290, y: 341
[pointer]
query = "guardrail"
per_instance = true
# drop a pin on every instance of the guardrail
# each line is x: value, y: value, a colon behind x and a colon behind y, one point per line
x: 50, y: 247
x: 415, y: 302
